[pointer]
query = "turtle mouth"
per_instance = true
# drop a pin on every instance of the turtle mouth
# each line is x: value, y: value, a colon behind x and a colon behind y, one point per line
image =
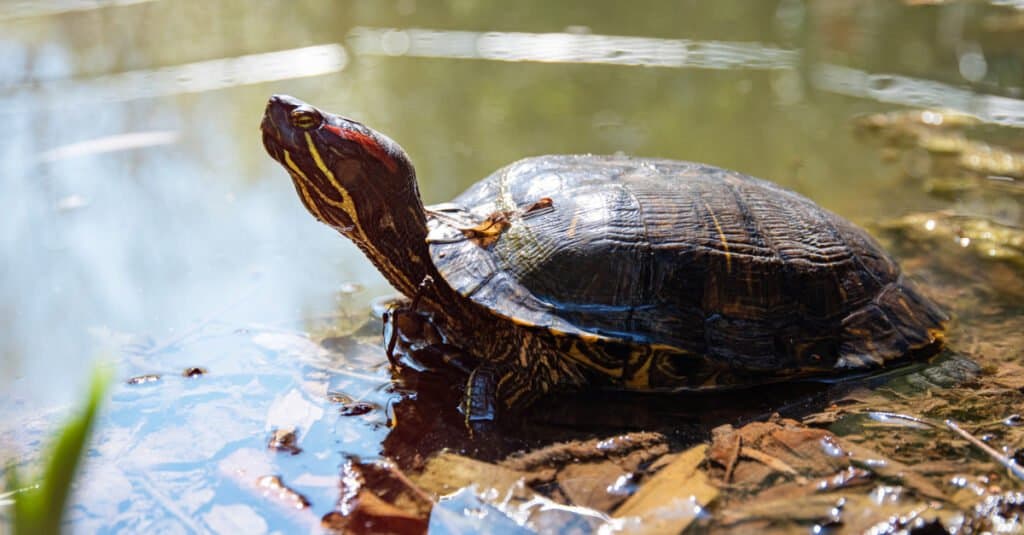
x: 272, y: 140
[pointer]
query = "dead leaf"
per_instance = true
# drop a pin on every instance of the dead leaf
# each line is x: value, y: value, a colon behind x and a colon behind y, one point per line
x: 588, y: 484
x: 378, y: 497
x: 370, y: 514
x: 672, y: 499
x: 447, y: 472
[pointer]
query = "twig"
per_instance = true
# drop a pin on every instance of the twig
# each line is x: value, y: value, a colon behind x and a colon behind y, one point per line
x: 397, y: 473
x: 1009, y: 463
x: 771, y: 462
x: 1015, y: 469
x: 734, y: 457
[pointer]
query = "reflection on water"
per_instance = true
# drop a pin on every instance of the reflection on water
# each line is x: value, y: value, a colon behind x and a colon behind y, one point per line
x: 568, y: 48
x: 684, y: 53
x: 42, y: 8
x: 908, y: 91
x: 188, y: 78
x: 120, y: 142
x: 143, y: 222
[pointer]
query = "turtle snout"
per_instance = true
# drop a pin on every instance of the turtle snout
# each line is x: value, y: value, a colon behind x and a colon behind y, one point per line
x: 285, y: 103
x: 279, y: 109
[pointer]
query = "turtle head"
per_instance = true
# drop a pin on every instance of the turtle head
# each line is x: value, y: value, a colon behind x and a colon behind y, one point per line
x: 355, y: 180
x: 346, y: 174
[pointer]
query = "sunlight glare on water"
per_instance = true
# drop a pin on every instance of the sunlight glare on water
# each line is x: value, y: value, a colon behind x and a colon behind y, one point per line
x: 567, y: 48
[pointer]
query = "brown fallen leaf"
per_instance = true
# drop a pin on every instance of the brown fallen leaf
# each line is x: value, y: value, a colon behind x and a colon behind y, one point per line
x: 672, y: 498
x: 274, y: 487
x: 377, y: 497
x: 370, y: 514
x: 588, y: 484
x: 284, y: 440
x: 446, y: 473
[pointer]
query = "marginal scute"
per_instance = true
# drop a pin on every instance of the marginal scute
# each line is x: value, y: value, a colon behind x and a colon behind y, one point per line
x: 677, y: 275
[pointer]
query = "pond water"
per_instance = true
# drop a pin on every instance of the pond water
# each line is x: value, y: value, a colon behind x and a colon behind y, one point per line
x: 145, y: 227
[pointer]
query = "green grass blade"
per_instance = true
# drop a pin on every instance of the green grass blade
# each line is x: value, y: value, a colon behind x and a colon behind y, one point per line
x: 41, y: 511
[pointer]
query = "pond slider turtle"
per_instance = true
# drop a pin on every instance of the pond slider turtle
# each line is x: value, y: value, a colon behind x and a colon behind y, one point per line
x: 649, y: 274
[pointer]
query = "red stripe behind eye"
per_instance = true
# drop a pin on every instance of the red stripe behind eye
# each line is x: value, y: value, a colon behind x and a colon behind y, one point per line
x: 368, y: 143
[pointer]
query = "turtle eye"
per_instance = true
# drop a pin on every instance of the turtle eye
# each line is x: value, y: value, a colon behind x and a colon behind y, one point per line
x: 306, y: 117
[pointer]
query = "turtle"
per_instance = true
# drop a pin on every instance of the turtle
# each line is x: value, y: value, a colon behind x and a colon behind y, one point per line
x: 569, y: 271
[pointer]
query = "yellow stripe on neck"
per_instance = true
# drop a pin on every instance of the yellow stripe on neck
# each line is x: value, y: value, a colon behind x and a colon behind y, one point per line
x: 301, y: 182
x: 346, y: 205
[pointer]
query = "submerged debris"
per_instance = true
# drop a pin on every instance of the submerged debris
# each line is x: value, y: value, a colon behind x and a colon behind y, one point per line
x: 951, y: 188
x: 284, y: 440
x: 976, y: 283
x: 376, y: 497
x: 936, y: 144
x: 350, y: 406
x: 273, y: 486
x: 356, y: 408
x: 194, y: 371
x: 904, y: 119
x: 143, y: 379
x: 985, y: 238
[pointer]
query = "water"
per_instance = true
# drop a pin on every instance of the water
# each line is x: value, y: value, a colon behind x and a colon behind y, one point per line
x: 144, y: 225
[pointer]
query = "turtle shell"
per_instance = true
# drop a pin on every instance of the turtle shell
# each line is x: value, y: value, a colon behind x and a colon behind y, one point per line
x: 682, y: 255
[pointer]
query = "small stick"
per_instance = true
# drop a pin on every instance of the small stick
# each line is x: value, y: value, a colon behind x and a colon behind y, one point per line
x: 733, y: 459
x: 771, y: 462
x: 1009, y: 463
x: 1015, y: 469
x: 397, y: 473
